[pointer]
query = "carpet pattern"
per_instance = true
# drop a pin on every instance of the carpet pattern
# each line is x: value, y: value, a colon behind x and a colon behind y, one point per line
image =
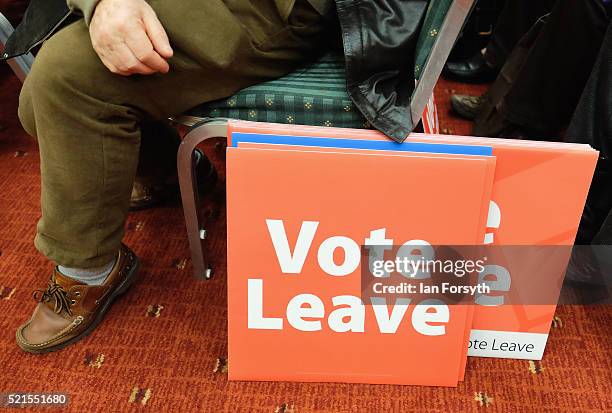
x: 163, y: 347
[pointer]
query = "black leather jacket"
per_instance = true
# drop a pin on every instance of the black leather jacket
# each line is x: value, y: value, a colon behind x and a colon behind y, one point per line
x: 379, y: 39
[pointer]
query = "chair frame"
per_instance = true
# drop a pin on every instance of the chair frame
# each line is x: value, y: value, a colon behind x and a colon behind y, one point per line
x: 202, y: 129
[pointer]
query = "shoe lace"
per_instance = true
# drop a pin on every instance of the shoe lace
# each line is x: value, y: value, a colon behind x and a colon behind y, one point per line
x: 56, y: 293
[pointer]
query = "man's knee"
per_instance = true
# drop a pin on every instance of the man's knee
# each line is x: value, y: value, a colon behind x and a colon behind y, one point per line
x: 41, y: 86
x: 62, y: 69
x: 57, y: 64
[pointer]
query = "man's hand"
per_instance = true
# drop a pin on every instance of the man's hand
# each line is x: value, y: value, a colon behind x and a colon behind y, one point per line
x: 129, y: 38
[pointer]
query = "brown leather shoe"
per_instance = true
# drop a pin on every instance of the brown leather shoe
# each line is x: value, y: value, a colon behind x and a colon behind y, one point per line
x: 69, y: 310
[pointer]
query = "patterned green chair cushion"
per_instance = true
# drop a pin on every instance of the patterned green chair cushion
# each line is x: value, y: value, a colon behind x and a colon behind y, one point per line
x: 314, y: 95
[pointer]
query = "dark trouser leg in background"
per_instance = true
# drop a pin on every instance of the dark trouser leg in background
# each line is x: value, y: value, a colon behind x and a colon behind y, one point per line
x: 589, y: 273
x: 516, y: 18
x: 547, y: 90
x: 592, y: 124
x: 546, y: 72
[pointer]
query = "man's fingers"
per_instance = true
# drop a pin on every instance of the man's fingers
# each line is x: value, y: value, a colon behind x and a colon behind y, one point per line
x: 157, y: 34
x: 139, y: 44
x: 126, y: 63
x: 129, y: 38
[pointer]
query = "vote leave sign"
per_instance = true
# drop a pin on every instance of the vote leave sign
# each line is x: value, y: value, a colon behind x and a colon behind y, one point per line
x: 297, y: 221
x: 539, y: 191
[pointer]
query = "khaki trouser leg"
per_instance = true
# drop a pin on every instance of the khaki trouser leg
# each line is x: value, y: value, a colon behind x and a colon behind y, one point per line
x: 87, y: 120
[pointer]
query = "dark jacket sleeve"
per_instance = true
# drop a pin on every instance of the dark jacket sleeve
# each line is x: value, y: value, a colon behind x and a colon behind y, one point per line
x: 379, y: 38
x: 41, y: 19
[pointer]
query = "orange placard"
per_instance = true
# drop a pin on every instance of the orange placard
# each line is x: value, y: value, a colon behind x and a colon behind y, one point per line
x: 297, y: 219
x: 538, y: 195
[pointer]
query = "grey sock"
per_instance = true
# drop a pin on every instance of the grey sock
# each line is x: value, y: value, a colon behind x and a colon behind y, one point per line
x: 90, y: 276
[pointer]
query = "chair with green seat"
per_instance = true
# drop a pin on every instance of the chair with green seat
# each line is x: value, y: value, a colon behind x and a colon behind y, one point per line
x: 314, y: 95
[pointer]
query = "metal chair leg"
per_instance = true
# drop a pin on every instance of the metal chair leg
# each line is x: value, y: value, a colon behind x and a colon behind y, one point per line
x: 196, y: 232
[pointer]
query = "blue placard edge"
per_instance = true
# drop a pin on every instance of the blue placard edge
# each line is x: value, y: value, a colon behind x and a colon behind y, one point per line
x: 317, y: 142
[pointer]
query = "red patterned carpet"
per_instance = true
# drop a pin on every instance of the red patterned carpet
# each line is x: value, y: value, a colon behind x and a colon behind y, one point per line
x: 163, y: 347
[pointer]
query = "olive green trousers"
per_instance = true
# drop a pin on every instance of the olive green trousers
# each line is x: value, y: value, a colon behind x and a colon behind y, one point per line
x: 87, y: 120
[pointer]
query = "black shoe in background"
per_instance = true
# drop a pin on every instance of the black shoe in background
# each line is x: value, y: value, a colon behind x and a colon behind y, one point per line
x: 471, y: 70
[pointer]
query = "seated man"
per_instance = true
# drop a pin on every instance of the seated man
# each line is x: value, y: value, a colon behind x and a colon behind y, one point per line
x: 132, y: 61
x: 90, y: 88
